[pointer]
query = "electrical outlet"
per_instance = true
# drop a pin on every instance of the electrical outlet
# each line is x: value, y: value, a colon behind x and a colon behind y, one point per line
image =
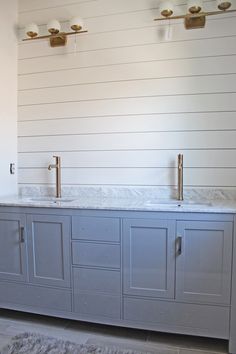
x: 12, y: 168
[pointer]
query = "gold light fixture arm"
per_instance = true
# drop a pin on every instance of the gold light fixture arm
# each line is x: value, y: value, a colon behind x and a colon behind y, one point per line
x: 193, y: 15
x: 62, y: 34
x: 195, y: 20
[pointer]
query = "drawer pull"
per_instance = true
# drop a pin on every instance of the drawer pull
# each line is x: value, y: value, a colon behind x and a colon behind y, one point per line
x: 22, y: 234
x: 179, y: 246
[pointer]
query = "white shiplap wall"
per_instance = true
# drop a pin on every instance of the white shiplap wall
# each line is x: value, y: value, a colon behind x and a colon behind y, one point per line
x: 8, y: 96
x: 132, y: 94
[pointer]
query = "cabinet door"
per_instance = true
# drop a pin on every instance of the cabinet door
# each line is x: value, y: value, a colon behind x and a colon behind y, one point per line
x: 149, y: 257
x: 49, y: 250
x: 204, y: 261
x: 13, y: 260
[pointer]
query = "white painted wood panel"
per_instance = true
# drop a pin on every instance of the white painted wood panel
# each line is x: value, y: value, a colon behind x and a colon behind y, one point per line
x: 136, y: 54
x: 133, y: 71
x: 32, y: 5
x: 147, y: 105
x: 131, y: 176
x: 135, y: 123
x: 133, y: 94
x: 125, y: 141
x: 136, y: 88
x: 132, y: 158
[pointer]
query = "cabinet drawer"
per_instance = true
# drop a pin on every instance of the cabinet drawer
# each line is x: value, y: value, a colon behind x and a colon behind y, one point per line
x: 97, y: 305
x: 96, y: 229
x: 35, y: 296
x: 178, y: 317
x: 97, y: 280
x: 96, y: 254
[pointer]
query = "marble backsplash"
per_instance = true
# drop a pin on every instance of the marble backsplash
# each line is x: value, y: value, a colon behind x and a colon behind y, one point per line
x: 141, y: 193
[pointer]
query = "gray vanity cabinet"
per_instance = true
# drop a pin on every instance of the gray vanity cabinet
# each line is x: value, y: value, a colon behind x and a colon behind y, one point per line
x: 13, y: 259
x: 149, y: 257
x: 203, y: 264
x: 49, y: 250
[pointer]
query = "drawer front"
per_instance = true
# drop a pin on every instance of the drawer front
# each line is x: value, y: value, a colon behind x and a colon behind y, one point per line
x: 96, y: 229
x: 96, y: 255
x: 186, y: 318
x: 99, y: 305
x: 35, y: 296
x: 96, y: 280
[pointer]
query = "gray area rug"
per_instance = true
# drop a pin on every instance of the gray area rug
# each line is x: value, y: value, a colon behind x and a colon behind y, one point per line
x: 30, y: 343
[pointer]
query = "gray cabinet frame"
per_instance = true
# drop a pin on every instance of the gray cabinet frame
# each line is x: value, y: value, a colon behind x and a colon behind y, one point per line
x: 13, y: 237
x: 15, y: 292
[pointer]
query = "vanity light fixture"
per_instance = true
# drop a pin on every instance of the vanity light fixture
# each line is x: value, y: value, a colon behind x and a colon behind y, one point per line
x: 195, y: 16
x: 56, y: 37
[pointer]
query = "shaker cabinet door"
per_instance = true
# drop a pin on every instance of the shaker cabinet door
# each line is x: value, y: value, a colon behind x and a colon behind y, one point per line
x: 13, y: 259
x: 203, y: 265
x: 49, y: 250
x: 149, y: 257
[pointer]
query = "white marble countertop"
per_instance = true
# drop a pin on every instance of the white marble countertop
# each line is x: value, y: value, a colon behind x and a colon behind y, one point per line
x: 134, y: 204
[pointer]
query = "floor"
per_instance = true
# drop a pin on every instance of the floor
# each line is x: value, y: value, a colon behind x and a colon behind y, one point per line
x: 12, y: 323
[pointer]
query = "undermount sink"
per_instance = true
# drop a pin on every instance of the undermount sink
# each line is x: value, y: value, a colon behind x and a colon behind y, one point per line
x: 177, y: 203
x: 52, y: 200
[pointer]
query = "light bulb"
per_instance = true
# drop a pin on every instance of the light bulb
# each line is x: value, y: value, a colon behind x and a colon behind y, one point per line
x: 166, y: 8
x: 76, y: 24
x: 32, y: 30
x: 53, y: 26
x: 194, y: 6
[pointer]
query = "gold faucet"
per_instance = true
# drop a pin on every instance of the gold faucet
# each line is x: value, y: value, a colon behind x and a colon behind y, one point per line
x: 180, y: 177
x: 57, y: 166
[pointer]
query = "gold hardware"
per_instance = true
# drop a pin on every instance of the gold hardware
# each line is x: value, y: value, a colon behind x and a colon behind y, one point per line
x: 32, y: 34
x: 57, y: 166
x: 76, y: 28
x: 56, y: 39
x: 167, y: 12
x: 194, y: 9
x: 224, y: 5
x: 195, y: 20
x: 180, y: 177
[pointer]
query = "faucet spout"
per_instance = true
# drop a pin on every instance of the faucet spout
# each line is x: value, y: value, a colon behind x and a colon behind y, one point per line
x: 57, y: 166
x: 180, y: 177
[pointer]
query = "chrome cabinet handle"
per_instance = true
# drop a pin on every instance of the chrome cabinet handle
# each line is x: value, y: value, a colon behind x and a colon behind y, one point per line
x: 22, y: 234
x: 179, y: 246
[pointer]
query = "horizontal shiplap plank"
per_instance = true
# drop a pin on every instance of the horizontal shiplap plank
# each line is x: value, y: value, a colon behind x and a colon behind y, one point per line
x: 34, y: 5
x: 117, y: 56
x: 163, y: 140
x: 84, y: 9
x: 147, y: 158
x: 136, y: 88
x: 134, y: 37
x: 126, y: 106
x: 136, y: 123
x: 134, y: 176
x: 134, y: 71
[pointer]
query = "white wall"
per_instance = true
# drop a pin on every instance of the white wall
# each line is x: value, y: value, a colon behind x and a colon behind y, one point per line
x: 133, y: 96
x: 8, y: 95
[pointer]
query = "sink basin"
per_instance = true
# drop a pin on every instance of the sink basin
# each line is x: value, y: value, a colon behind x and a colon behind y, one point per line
x: 52, y: 200
x: 177, y: 203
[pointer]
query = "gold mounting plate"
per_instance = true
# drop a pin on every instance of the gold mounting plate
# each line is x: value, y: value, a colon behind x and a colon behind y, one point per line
x: 59, y: 40
x: 194, y: 22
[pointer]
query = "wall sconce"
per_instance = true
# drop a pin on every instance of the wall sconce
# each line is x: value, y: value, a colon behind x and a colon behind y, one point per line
x: 195, y: 17
x: 56, y: 37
